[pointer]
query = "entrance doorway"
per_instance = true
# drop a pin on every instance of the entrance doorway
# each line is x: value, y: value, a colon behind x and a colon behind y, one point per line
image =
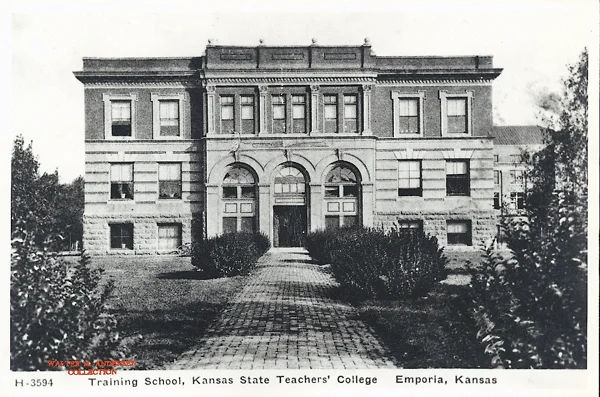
x: 289, y: 225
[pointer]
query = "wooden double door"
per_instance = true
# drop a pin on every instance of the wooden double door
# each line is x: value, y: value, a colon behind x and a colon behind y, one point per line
x: 289, y: 225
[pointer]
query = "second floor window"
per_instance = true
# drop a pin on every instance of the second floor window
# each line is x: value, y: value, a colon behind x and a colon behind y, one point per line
x: 409, y: 116
x: 409, y: 178
x: 247, y: 114
x: 278, y: 106
x: 121, y: 118
x: 350, y: 114
x: 330, y: 113
x: 497, y: 177
x: 169, y: 118
x: 121, y: 181
x: 457, y: 115
x: 299, y: 113
x: 516, y: 177
x: 457, y: 178
x: 169, y: 180
x: 227, y: 126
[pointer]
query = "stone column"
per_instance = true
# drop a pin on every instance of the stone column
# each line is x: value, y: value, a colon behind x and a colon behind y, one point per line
x: 262, y: 109
x: 211, y: 108
x: 264, y: 210
x: 316, y: 207
x: 368, y: 201
x: 314, y: 109
x: 366, y: 96
x: 213, y: 211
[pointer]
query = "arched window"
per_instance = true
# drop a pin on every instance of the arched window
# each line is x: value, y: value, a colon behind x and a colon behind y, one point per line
x: 342, y: 196
x: 290, y: 180
x: 239, y: 200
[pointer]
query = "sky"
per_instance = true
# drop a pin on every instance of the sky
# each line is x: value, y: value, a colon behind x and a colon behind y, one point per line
x: 532, y: 41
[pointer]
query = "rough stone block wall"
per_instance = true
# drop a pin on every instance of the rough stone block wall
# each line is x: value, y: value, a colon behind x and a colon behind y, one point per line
x: 145, y: 232
x: 483, y: 225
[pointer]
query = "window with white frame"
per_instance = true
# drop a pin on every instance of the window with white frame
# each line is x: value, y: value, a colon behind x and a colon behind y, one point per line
x: 456, y: 113
x: 121, y: 181
x: 247, y: 104
x: 408, y: 113
x: 497, y: 201
x: 457, y: 178
x: 459, y: 232
x: 497, y: 177
x: 169, y: 118
x: 410, y: 225
x: 227, y: 114
x: 409, y: 178
x: 330, y: 113
x: 517, y: 200
x: 350, y: 113
x: 517, y: 177
x: 169, y: 180
x: 167, y: 115
x: 279, y: 114
x: 239, y: 200
x: 299, y: 114
x: 169, y: 236
x: 119, y: 116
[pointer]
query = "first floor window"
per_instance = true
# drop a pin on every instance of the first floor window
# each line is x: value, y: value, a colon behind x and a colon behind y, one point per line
x: 169, y: 236
x: 334, y: 222
x: 497, y: 201
x: 169, y: 180
x: 232, y: 224
x: 409, y: 178
x: 121, y: 118
x: 459, y: 232
x: 121, y: 236
x: 517, y: 200
x: 410, y: 225
x: 121, y: 181
x: 516, y: 177
x: 457, y: 178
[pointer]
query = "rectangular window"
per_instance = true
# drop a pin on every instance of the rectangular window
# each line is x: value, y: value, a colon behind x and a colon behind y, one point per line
x: 330, y: 113
x: 229, y: 224
x: 459, y: 232
x: 121, y: 236
x: 248, y: 224
x: 457, y: 178
x: 332, y: 222
x: 227, y: 122
x: 169, y: 118
x: 515, y: 158
x: 497, y: 177
x: 247, y: 107
x: 516, y: 177
x: 409, y: 178
x: 299, y: 113
x: 230, y: 192
x: 457, y: 115
x: 410, y: 226
x: 409, y: 116
x: 496, y: 158
x: 350, y: 114
x: 279, y: 119
x: 121, y: 181
x: 517, y: 200
x: 169, y: 236
x: 497, y: 201
x: 169, y: 180
x: 121, y: 118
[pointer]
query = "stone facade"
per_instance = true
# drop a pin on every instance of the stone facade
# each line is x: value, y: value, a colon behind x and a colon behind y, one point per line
x: 285, y: 140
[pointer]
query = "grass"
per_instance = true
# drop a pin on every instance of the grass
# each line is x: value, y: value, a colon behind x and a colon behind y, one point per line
x: 428, y: 332
x: 163, y: 300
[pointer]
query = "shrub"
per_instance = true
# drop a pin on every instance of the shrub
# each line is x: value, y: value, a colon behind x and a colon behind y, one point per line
x: 373, y: 263
x: 58, y: 311
x: 229, y: 254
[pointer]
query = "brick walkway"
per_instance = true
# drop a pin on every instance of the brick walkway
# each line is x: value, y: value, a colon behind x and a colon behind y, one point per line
x: 285, y: 318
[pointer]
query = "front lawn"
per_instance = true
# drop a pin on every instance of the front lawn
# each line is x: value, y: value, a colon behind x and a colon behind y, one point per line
x: 163, y: 300
x: 428, y: 332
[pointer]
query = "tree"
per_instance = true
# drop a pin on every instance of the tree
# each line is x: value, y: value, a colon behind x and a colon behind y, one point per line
x: 531, y: 307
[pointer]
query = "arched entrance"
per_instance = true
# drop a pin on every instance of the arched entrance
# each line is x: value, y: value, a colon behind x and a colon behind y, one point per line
x: 342, y: 197
x: 290, y: 209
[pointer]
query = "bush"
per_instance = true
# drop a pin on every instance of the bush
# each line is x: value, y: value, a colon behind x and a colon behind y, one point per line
x: 229, y: 254
x: 373, y: 263
x: 58, y: 311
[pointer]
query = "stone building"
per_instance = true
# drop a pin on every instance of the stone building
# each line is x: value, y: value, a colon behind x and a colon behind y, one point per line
x: 285, y: 140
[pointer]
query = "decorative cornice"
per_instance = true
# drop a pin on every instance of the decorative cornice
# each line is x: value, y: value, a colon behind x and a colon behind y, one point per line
x: 416, y: 82
x: 141, y: 84
x: 288, y: 80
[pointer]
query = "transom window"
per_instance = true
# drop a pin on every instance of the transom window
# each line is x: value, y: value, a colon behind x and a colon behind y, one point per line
x: 169, y: 180
x: 409, y: 178
x: 457, y: 178
x: 409, y: 116
x: 290, y: 180
x: 457, y: 115
x: 459, y: 232
x: 121, y: 118
x: 341, y: 181
x: 410, y: 225
x: 169, y: 117
x: 239, y: 183
x: 121, y: 181
x: 121, y: 236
